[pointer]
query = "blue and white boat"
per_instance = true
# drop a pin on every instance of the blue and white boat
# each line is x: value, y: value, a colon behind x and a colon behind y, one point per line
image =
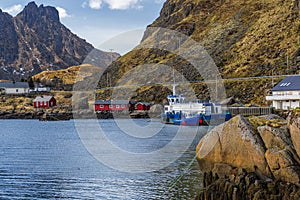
x: 178, y: 111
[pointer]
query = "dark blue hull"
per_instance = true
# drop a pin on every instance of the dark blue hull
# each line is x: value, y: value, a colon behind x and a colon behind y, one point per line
x: 199, y: 120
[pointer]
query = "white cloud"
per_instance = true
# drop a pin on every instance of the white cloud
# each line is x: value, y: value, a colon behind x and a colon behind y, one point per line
x: 114, y: 4
x: 159, y: 1
x: 84, y: 4
x: 95, y: 4
x: 62, y: 12
x: 14, y: 10
x: 121, y: 5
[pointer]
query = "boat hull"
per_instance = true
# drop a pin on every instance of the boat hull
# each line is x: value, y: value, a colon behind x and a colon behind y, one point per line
x: 198, y: 120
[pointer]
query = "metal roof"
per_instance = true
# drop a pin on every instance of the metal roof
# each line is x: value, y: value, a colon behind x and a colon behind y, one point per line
x: 42, y: 98
x: 290, y: 83
x: 121, y: 102
x: 144, y: 103
x: 14, y: 85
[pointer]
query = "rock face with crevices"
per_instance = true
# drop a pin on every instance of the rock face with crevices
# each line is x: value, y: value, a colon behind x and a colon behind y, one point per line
x: 280, y: 154
x: 234, y: 143
x: 294, y: 128
x: 250, y: 161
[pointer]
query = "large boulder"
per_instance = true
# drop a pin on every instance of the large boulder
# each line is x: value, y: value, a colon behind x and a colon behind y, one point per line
x: 280, y: 154
x: 236, y: 144
x: 294, y: 127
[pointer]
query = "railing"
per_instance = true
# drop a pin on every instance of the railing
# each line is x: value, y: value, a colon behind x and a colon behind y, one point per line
x: 282, y: 97
x: 249, y: 111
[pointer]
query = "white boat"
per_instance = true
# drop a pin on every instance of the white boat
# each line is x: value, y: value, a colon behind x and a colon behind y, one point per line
x: 179, y: 111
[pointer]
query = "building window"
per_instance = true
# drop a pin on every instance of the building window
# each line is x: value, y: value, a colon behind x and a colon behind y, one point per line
x: 17, y: 90
x: 117, y: 106
x: 110, y: 106
x: 123, y: 106
x: 101, y: 106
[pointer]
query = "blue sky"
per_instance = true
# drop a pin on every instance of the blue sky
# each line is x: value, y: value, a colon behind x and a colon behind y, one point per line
x: 100, y: 21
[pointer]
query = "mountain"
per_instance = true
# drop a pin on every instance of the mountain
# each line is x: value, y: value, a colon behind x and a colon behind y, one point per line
x: 35, y: 40
x: 243, y: 37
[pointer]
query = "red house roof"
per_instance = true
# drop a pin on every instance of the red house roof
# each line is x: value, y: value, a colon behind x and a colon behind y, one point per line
x: 42, y: 98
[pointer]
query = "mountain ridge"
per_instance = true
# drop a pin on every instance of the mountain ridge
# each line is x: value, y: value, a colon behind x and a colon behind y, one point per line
x: 35, y: 40
x: 244, y: 38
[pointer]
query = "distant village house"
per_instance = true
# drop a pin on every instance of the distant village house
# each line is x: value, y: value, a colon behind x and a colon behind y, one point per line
x: 14, y: 88
x: 113, y: 105
x: 39, y: 88
x: 286, y: 94
x: 144, y: 106
x: 44, y: 102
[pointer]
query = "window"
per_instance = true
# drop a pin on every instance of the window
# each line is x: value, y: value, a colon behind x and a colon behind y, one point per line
x: 17, y: 90
x: 110, y: 106
x: 101, y: 106
x: 117, y: 106
x: 285, y: 84
x: 123, y: 106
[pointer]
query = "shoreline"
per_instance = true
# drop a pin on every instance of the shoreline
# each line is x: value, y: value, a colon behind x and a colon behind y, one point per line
x: 70, y: 115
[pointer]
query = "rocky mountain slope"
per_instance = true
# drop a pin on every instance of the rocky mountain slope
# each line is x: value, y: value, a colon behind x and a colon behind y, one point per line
x: 244, y: 38
x: 35, y: 41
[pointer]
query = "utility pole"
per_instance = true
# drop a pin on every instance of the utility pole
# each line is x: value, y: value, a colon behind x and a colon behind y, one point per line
x: 216, y: 87
x: 107, y: 79
x: 272, y: 78
x: 111, y: 60
x: 287, y: 60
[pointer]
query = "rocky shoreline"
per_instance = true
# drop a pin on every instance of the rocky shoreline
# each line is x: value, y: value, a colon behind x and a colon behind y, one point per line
x: 26, y: 115
x: 253, y: 158
x: 70, y: 115
x: 247, y: 186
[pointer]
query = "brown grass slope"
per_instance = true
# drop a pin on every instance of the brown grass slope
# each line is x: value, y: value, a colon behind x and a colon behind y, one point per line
x: 244, y: 37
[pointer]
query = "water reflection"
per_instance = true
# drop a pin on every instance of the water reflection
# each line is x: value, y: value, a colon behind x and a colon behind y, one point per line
x: 47, y: 160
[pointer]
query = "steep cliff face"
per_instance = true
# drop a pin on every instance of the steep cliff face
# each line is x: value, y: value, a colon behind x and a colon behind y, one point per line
x: 8, y: 40
x: 244, y: 38
x: 35, y: 40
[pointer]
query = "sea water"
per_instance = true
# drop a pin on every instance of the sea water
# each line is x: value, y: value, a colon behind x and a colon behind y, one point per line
x: 48, y: 160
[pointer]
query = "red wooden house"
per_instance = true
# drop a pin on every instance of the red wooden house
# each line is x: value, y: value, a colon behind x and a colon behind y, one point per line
x: 113, y: 105
x: 142, y: 106
x: 44, y: 102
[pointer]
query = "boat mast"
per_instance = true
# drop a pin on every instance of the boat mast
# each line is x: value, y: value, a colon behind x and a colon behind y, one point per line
x: 174, y: 83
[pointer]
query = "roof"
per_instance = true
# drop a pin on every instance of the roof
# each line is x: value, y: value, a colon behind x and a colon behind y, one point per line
x: 290, y: 83
x: 144, y: 103
x: 42, y: 98
x: 14, y: 85
x: 112, y: 102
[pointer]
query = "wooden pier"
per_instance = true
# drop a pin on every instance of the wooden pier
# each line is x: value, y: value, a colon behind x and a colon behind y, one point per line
x: 250, y: 111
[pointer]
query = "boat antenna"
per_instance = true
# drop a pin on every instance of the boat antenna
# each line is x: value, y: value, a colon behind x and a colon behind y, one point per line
x: 174, y: 83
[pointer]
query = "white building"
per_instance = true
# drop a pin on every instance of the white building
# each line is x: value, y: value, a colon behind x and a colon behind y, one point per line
x: 14, y: 87
x: 286, y: 94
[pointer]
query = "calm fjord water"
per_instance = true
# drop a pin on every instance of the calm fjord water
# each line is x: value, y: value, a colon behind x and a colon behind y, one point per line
x: 47, y: 160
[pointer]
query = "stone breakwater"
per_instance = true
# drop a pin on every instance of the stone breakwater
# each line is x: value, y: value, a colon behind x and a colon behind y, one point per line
x: 255, y: 158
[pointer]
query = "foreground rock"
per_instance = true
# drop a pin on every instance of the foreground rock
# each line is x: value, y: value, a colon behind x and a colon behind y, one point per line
x: 242, y: 185
x: 257, y: 160
x: 232, y: 144
x: 294, y: 127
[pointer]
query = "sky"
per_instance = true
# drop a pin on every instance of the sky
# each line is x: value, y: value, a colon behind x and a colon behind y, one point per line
x: 110, y: 25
